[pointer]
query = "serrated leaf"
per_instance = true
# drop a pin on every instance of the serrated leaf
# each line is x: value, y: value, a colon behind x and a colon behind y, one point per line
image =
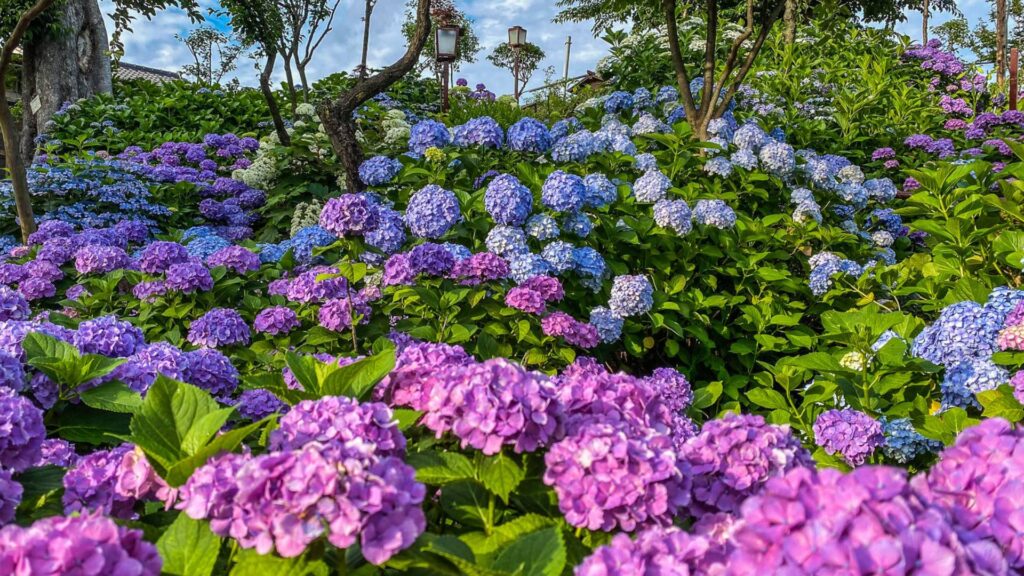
x: 540, y: 553
x: 113, y: 396
x: 357, y: 379
x: 169, y: 411
x: 707, y: 396
x: 486, y: 545
x: 438, y: 468
x: 188, y: 548
x: 767, y: 398
x: 204, y: 429
x: 252, y: 564
x: 1001, y: 403
x: 500, y: 474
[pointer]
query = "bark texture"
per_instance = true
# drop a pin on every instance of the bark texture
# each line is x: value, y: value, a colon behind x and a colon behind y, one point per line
x: 63, y: 67
x: 1001, y: 22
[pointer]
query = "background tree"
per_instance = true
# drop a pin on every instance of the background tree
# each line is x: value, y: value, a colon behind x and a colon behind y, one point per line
x: 955, y: 34
x: 305, y: 25
x: 260, y: 24
x: 214, y: 54
x: 367, y: 13
x: 992, y: 36
x: 469, y: 44
x: 530, y: 57
x: 337, y: 114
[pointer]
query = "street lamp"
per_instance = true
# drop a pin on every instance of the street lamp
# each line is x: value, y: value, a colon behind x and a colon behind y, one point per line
x: 516, y: 40
x: 446, y: 45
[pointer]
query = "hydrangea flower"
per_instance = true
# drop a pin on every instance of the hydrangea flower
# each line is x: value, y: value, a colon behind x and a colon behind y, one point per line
x: 95, y: 483
x: 379, y: 170
x: 507, y: 201
x: 542, y: 227
x: 158, y: 256
x: 494, y: 403
x: 608, y: 325
x: 524, y: 266
x: 903, y: 443
x: 578, y: 224
x: 417, y: 368
x: 481, y: 131
x: 963, y: 331
x: 21, y: 431
x: 631, y: 296
x: 219, y: 327
x: 10, y: 496
x: 655, y: 550
x: 258, y: 404
x: 714, y: 213
x: 651, y: 187
x: 563, y: 192
x: 95, y: 259
x: 718, y: 166
x: 428, y: 134
x: 143, y: 367
x: 529, y: 135
x: 480, y: 267
x: 526, y: 300
x: 432, y: 211
x: 777, y: 158
x: 600, y: 191
x: 341, y: 420
x: 212, y: 371
x: 186, y: 277
x: 389, y: 235
x: 13, y: 305
x: 349, y: 215
x: 967, y: 378
x: 108, y: 336
x: 558, y: 255
x: 276, y: 320
x: 674, y: 215
x: 852, y: 434
x: 338, y: 314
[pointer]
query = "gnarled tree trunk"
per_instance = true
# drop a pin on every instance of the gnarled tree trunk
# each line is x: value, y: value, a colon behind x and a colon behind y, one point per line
x: 61, y: 67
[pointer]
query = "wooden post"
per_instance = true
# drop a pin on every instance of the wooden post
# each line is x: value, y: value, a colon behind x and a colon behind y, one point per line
x: 444, y: 88
x: 1013, y: 78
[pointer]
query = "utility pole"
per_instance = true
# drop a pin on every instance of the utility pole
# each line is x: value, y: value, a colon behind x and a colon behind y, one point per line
x: 565, y: 72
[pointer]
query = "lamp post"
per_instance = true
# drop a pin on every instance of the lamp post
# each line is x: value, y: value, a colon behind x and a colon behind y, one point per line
x: 516, y: 40
x: 446, y: 44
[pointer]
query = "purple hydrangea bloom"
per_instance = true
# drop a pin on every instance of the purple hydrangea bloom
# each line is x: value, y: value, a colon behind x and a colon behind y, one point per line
x: 389, y: 235
x: 58, y: 545
x: 337, y: 419
x: 189, y: 276
x: 631, y: 296
x: 674, y: 215
x: 655, y: 551
x: 10, y: 497
x: 349, y: 214
x: 526, y: 300
x: 850, y: 433
x: 158, y: 256
x: 494, y: 403
x: 13, y: 305
x: 56, y: 452
x: 108, y: 336
x: 480, y: 267
x: 610, y: 478
x: 732, y: 458
x: 212, y: 371
x: 418, y: 367
x: 21, y: 431
x: 379, y: 170
x: 92, y: 485
x: 258, y: 404
x: 338, y: 313
x: 563, y: 192
x: 480, y: 131
x: 507, y: 201
x: 235, y: 258
x: 100, y: 259
x: 432, y: 211
x: 310, y: 287
x: 143, y: 367
x: 219, y: 327
x: 529, y: 135
x: 276, y: 320
x: 427, y: 134
x: 672, y: 387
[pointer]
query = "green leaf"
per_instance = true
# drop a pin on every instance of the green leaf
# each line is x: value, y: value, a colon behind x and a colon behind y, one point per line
x: 188, y: 548
x: 500, y: 474
x: 180, y: 471
x: 707, y: 396
x: 406, y: 418
x: 204, y: 429
x: 304, y: 370
x: 63, y: 363
x: 357, y: 379
x: 80, y: 423
x: 113, y: 397
x: 767, y: 398
x: 169, y: 411
x: 252, y: 564
x: 1001, y: 403
x: 815, y: 361
x: 485, y: 545
x: 438, y: 468
x: 540, y: 553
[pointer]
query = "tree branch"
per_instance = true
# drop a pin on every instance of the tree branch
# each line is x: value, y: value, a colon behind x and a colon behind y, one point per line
x: 669, y: 12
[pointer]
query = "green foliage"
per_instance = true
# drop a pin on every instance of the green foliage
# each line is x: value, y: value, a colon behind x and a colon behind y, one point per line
x: 529, y: 57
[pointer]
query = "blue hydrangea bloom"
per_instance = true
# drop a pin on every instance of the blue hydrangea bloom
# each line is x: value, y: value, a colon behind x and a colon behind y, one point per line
x: 631, y: 295
x: 542, y: 227
x: 778, y: 158
x: 589, y: 262
x: 426, y: 134
x: 618, y: 101
x: 645, y: 162
x: 963, y: 331
x: 642, y: 98
x: 508, y: 201
x: 523, y: 266
x: 744, y: 158
x: 575, y: 147
x: 379, y: 170
x: 389, y: 235
x: 903, y: 443
x: 600, y: 191
x: 529, y: 135
x: 750, y: 136
x: 565, y: 127
x: 667, y: 94
x: 578, y: 224
x: 506, y: 241
x: 432, y: 211
x: 202, y: 247
x: 651, y: 187
x: 480, y: 131
x: 674, y: 215
x: 968, y: 377
x: 718, y: 166
x: 609, y: 326
x: 563, y: 192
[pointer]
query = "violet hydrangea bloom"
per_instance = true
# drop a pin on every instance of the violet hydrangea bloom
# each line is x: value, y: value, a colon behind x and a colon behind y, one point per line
x: 56, y: 452
x: 494, y: 403
x: 349, y: 214
x: 13, y: 305
x: 108, y: 336
x: 338, y: 419
x: 379, y: 170
x: 337, y: 314
x: 655, y: 551
x: 219, y: 327
x: 507, y: 201
x: 95, y: 259
x: 276, y: 320
x: 143, y: 367
x: 238, y: 259
x: 92, y: 484
x: 851, y: 433
x: 212, y: 371
x: 21, y: 431
x: 432, y: 211
x: 480, y: 267
x: 563, y: 192
x: 189, y: 276
x: 258, y: 404
x: 67, y: 545
x: 732, y: 458
x: 10, y: 496
x: 158, y: 256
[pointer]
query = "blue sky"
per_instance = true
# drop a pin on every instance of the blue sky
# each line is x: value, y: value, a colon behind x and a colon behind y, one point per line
x: 152, y: 43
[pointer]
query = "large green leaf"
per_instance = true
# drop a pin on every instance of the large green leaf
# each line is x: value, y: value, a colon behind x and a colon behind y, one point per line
x: 113, y: 397
x: 357, y: 379
x: 63, y: 363
x: 500, y: 474
x: 540, y: 553
x: 439, y: 468
x: 188, y: 548
x: 249, y: 563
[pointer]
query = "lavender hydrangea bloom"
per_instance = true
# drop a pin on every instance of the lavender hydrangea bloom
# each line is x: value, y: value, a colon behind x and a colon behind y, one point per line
x: 100, y: 259
x: 428, y: 134
x: 349, y: 215
x: 235, y: 258
x: 158, y: 256
x: 108, y: 336
x: 480, y: 267
x: 92, y: 485
x: 337, y: 419
x: 432, y: 211
x: 674, y: 215
x: 143, y: 367
x: 732, y: 458
x: 13, y: 305
x: 219, y: 327
x: 529, y: 135
x: 480, y: 131
x: 379, y: 170
x: 608, y: 478
x: 492, y: 404
x: 852, y: 434
x: 21, y: 431
x: 563, y: 192
x: 59, y: 545
x: 963, y: 331
x: 337, y: 314
x: 12, y: 374
x: 714, y: 213
x: 654, y: 551
x: 276, y: 320
x: 10, y: 497
x: 56, y: 452
x: 187, y: 277
x: 631, y: 296
x: 651, y: 187
x: 258, y: 404
x: 212, y: 371
x: 507, y: 201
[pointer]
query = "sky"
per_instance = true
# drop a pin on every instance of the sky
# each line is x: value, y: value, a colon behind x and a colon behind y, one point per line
x: 152, y: 43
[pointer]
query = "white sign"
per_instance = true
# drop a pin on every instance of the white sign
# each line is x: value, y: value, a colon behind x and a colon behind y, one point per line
x: 35, y: 104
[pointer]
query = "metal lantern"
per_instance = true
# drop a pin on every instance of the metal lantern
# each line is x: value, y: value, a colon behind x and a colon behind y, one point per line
x: 447, y: 43
x: 516, y: 36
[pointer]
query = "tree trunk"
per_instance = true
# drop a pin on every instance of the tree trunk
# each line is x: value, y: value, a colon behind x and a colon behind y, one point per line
x: 293, y: 97
x: 268, y: 95
x: 789, y: 17
x: 336, y: 114
x: 300, y: 67
x: 63, y: 66
x: 924, y: 22
x: 366, y: 37
x: 1001, y: 43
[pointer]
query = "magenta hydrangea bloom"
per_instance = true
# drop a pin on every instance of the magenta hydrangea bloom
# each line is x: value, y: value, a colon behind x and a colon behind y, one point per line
x: 979, y: 481
x: 238, y: 259
x: 1018, y: 386
x: 655, y: 551
x: 89, y: 544
x: 865, y: 522
x: 608, y: 477
x: 577, y: 333
x: 21, y: 431
x: 732, y: 458
x: 339, y: 419
x: 219, y: 327
x: 284, y: 501
x: 417, y: 369
x: 548, y: 286
x: 526, y: 300
x: 673, y: 388
x: 494, y: 403
x: 850, y: 433
x: 276, y: 320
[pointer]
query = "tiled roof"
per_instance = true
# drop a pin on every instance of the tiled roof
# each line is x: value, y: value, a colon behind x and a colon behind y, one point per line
x: 126, y: 71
